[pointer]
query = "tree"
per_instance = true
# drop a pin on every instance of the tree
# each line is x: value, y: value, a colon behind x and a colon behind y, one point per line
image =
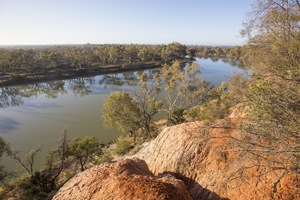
x: 182, y: 88
x: 46, y: 59
x: 53, y: 165
x: 84, y: 150
x: 4, y: 61
x: 4, y: 148
x: 121, y: 111
x: 143, y: 53
x: 130, y: 53
x: 173, y: 51
x: 77, y: 57
x: 136, y: 112
x: 191, y: 52
x: 148, y: 102
x: 115, y: 53
x: 272, y: 131
x: 103, y: 53
x: 27, y: 162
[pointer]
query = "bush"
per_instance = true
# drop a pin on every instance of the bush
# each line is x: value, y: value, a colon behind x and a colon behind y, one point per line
x: 123, y: 145
x: 105, y: 157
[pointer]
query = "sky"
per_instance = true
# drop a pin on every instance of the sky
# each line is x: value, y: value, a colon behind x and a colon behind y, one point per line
x: 190, y: 22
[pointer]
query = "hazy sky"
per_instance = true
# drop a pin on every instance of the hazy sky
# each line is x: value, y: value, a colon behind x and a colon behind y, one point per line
x: 203, y: 22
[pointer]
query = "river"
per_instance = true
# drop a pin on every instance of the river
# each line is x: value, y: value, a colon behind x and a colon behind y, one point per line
x: 36, y: 114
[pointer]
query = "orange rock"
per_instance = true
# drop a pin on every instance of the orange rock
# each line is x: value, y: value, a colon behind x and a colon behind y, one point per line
x: 202, y: 157
x: 126, y: 179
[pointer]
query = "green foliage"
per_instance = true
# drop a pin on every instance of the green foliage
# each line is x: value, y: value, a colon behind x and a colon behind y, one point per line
x: 84, y: 150
x: 4, y: 149
x: 133, y: 113
x: 121, y: 111
x: 123, y: 145
x: 23, y: 188
x: 3, y: 146
x: 220, y: 99
x: 183, y: 89
x: 191, y: 52
x: 105, y: 156
x: 173, y: 50
x: 178, y: 116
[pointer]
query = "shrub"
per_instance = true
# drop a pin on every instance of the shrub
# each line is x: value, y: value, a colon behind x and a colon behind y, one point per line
x: 123, y: 145
x: 105, y: 157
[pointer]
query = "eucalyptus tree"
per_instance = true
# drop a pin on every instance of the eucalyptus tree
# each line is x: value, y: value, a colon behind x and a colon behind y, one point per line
x: 103, y: 53
x: 77, y: 57
x: 130, y: 53
x: 183, y: 88
x: 143, y: 53
x: 155, y: 52
x: 133, y: 113
x: 191, y: 52
x: 119, y: 110
x: 18, y: 59
x: 173, y: 51
x: 115, y: 52
x: 46, y: 59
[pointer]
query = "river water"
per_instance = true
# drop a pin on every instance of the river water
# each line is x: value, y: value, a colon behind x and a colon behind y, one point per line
x: 36, y: 114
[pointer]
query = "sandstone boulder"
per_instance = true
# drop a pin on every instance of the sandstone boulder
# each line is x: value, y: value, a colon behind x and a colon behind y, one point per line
x: 125, y: 179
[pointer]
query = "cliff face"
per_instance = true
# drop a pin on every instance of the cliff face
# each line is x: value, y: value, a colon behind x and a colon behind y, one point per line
x: 126, y: 179
x: 202, y: 157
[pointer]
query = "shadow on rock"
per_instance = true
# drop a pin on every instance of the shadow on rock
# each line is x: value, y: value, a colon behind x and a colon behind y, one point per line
x: 196, y: 191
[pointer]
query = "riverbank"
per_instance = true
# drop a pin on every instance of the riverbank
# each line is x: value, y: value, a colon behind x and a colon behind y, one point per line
x: 51, y: 75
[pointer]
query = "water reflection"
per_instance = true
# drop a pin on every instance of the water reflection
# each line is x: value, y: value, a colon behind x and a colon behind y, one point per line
x: 8, y: 124
x: 118, y: 80
x: 231, y: 61
x: 14, y: 95
x: 10, y: 97
x: 44, y: 105
x: 81, y: 86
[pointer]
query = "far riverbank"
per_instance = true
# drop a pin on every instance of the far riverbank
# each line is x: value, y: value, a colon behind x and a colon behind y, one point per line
x: 25, y: 78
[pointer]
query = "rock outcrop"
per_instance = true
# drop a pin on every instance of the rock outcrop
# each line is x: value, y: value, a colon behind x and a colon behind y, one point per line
x: 193, y: 160
x: 125, y: 179
x: 202, y: 157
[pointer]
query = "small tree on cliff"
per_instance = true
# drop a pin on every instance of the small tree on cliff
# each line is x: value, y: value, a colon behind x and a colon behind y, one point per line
x: 27, y: 162
x: 4, y: 148
x: 84, y: 150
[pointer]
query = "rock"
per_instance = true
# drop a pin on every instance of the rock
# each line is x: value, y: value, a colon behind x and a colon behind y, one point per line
x: 125, y: 179
x: 201, y: 156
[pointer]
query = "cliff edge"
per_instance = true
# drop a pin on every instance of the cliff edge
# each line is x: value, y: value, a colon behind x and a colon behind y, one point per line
x: 125, y: 179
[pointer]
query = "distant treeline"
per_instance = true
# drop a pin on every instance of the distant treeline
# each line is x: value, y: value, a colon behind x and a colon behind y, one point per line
x: 231, y: 54
x: 42, y: 59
